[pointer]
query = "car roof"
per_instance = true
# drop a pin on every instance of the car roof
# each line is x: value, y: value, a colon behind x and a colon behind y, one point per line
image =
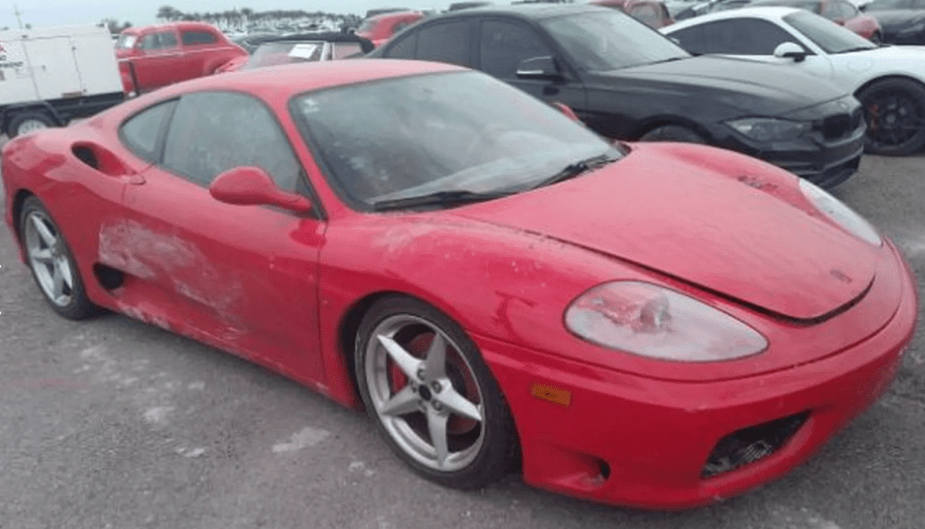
x: 768, y: 13
x: 182, y: 25
x: 291, y: 79
x: 328, y: 36
x: 525, y: 11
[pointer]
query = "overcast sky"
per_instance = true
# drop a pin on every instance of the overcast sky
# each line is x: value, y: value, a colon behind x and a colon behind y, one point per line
x: 141, y: 12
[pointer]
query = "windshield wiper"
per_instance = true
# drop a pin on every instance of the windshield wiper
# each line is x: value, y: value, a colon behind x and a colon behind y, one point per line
x: 574, y: 169
x: 453, y: 197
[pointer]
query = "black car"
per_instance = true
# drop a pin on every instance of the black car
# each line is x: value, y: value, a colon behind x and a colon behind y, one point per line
x: 627, y: 81
x: 901, y: 21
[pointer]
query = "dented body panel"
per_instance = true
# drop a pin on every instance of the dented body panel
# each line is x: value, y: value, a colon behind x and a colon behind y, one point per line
x: 283, y: 288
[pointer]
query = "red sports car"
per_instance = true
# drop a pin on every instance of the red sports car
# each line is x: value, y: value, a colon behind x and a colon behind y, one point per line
x: 381, y: 28
x: 660, y: 325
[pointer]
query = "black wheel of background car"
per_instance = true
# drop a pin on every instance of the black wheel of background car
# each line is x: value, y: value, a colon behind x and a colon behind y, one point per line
x: 431, y: 395
x: 52, y: 262
x: 895, y: 113
x: 673, y: 133
x: 29, y: 121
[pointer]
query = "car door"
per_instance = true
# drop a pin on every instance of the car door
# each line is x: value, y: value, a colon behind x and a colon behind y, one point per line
x: 750, y: 38
x: 241, y: 277
x: 200, y: 50
x: 503, y: 44
x: 155, y: 65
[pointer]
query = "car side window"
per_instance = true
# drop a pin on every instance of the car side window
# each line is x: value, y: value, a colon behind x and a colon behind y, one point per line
x: 141, y: 132
x: 192, y: 38
x: 212, y: 132
x: 648, y: 14
x: 159, y: 40
x: 836, y: 9
x: 168, y: 39
x: 448, y: 42
x: 505, y: 44
x: 739, y: 36
x: 404, y: 48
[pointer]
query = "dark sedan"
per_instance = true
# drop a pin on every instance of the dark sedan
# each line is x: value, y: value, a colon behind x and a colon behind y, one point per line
x: 901, y: 21
x: 626, y: 81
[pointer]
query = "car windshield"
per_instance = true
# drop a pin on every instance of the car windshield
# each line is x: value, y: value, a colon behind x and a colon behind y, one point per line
x: 366, y: 26
x: 276, y: 53
x: 126, y: 41
x: 832, y: 38
x: 610, y: 40
x: 448, y: 132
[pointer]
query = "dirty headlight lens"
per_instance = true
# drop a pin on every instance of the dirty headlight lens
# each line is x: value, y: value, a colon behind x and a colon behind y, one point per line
x: 769, y: 129
x: 647, y: 320
x: 840, y: 214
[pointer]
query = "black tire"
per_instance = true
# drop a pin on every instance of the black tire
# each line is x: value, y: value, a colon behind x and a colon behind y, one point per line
x: 895, y: 114
x: 25, y: 119
x: 476, y: 452
x: 673, y: 133
x: 73, y: 302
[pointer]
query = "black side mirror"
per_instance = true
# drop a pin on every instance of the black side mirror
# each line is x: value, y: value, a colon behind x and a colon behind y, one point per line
x: 539, y: 68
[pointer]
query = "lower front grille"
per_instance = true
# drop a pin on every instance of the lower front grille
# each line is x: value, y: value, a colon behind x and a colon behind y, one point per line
x: 751, y: 444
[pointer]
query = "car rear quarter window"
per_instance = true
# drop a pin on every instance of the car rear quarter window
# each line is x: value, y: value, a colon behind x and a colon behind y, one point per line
x: 212, y: 132
x: 194, y: 38
x: 404, y: 48
x: 141, y: 132
x: 448, y: 42
x: 739, y: 36
x: 505, y: 44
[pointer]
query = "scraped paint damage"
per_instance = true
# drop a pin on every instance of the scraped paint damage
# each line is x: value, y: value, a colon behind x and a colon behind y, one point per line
x: 136, y: 250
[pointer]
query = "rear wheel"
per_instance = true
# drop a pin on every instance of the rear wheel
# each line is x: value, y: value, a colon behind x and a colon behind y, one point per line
x: 52, y: 263
x: 895, y: 114
x: 28, y: 122
x: 431, y: 395
x: 673, y: 133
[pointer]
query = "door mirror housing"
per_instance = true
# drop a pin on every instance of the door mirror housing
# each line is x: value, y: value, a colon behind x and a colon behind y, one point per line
x: 790, y: 50
x: 544, y: 68
x: 567, y: 111
x: 252, y: 186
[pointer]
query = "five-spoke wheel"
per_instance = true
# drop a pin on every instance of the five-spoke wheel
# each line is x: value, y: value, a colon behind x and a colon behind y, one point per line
x: 431, y: 395
x: 51, y: 262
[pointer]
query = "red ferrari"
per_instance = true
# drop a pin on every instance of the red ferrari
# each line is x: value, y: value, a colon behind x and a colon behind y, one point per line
x: 658, y: 325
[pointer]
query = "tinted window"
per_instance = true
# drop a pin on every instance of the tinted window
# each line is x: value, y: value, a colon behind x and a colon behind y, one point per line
x: 830, y: 37
x: 168, y: 39
x: 345, y: 49
x: 504, y: 45
x: 191, y: 38
x: 213, y: 132
x: 648, y: 14
x: 404, y: 48
x: 142, y: 131
x: 610, y: 40
x: 737, y: 36
x: 877, y: 5
x: 448, y: 42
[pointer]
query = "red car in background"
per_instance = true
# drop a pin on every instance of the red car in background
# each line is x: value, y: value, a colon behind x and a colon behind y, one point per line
x: 652, y: 13
x: 154, y: 56
x: 842, y: 12
x: 380, y: 28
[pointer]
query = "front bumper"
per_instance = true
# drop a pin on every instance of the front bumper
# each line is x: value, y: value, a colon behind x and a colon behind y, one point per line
x: 827, y: 156
x: 625, y: 439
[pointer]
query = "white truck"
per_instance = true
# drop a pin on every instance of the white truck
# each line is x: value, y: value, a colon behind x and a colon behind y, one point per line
x: 49, y: 76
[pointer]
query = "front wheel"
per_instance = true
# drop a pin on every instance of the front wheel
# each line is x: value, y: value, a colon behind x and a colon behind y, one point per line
x: 895, y: 114
x: 431, y: 395
x: 52, y: 263
x: 28, y: 122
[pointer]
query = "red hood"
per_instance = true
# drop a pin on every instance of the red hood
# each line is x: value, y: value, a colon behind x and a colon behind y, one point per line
x: 681, y: 212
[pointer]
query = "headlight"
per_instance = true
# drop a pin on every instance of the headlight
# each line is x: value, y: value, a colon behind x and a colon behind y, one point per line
x: 840, y: 213
x: 769, y: 129
x: 647, y: 320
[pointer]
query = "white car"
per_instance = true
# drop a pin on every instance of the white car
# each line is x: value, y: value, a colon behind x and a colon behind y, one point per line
x: 888, y: 80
